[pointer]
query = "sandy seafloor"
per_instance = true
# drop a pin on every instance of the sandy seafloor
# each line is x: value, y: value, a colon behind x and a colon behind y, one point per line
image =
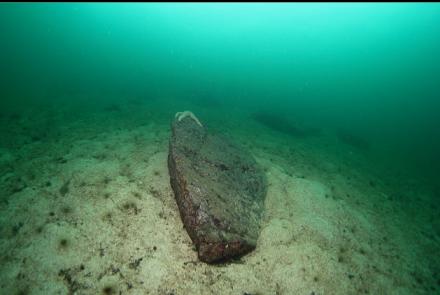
x: 87, y: 208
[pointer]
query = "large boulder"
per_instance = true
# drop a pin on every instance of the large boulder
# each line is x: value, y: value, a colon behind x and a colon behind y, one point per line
x: 219, y: 189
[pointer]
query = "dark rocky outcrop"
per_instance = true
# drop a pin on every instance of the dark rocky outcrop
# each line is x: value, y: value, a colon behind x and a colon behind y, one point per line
x: 353, y: 140
x: 219, y: 189
x: 281, y: 124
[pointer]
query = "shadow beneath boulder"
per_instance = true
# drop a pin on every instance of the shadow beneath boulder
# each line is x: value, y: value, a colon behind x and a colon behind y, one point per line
x: 283, y: 125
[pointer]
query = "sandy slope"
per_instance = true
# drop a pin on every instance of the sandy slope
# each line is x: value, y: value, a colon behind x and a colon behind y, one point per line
x: 93, y: 213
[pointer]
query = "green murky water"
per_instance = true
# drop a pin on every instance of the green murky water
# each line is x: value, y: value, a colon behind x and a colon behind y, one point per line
x: 357, y: 85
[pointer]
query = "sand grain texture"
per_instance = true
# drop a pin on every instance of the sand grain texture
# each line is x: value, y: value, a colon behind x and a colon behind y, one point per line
x: 116, y: 228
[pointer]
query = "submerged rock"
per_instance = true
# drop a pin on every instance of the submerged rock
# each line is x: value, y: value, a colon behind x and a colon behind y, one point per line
x: 281, y: 124
x: 353, y: 140
x: 219, y: 189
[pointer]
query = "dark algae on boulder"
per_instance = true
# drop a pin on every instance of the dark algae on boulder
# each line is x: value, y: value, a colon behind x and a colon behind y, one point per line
x: 219, y: 189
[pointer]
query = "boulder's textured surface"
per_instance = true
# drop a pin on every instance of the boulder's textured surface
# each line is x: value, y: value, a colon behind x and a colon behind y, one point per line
x: 219, y: 189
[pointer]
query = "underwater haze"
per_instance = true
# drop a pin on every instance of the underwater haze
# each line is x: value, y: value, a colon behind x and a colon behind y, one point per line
x: 338, y: 102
